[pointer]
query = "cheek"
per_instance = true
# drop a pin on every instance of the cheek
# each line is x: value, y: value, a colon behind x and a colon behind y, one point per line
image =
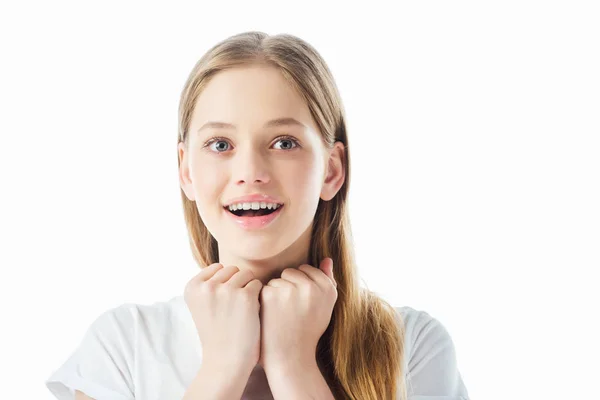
x: 304, y: 181
x: 208, y: 181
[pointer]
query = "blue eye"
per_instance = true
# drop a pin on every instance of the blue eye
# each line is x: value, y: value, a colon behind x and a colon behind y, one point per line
x: 289, y: 139
x: 218, y: 141
x: 222, y: 149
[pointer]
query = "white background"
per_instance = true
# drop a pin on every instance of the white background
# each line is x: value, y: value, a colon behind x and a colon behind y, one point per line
x: 474, y: 136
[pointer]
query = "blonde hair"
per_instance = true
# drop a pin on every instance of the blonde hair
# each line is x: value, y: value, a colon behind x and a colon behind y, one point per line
x: 361, y: 353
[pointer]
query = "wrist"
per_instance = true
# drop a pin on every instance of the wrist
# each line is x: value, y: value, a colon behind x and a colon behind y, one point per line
x: 226, y: 367
x: 290, y: 365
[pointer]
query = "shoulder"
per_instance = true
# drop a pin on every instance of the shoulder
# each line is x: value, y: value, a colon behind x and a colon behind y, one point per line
x: 141, y: 327
x: 128, y: 317
x: 156, y: 312
x: 419, y: 325
x: 121, y: 351
x: 423, y: 335
x: 122, y: 316
x: 430, y: 362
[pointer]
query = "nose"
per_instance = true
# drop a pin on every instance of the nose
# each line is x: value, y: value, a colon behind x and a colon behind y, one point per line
x: 251, y: 167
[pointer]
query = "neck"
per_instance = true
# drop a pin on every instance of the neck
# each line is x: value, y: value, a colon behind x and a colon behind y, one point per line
x: 271, y: 268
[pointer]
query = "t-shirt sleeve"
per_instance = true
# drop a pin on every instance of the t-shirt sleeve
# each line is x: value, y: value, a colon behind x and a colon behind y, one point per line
x: 102, y: 364
x: 432, y: 367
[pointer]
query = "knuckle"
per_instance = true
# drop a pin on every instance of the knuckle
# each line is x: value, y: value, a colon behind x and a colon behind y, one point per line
x: 311, y: 290
x: 245, y: 274
x: 247, y: 296
x: 333, y: 293
x: 303, y: 267
x: 209, y: 286
x: 266, y: 293
x: 191, y: 288
x: 255, y: 281
x: 286, y: 272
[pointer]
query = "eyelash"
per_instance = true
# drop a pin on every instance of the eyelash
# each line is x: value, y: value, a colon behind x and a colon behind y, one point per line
x: 220, y: 138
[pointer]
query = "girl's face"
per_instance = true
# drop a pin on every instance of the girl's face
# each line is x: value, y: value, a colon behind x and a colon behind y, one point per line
x: 287, y: 161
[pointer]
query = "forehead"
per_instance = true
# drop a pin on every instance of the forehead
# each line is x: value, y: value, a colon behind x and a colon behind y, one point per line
x: 250, y: 96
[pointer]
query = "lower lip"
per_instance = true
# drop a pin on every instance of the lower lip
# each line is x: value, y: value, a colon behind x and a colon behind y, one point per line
x: 255, y: 222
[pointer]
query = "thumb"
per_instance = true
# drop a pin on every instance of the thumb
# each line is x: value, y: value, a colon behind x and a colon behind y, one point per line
x: 327, y: 268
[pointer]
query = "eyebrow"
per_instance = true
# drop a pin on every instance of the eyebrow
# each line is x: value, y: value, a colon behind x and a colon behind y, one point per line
x: 270, y: 124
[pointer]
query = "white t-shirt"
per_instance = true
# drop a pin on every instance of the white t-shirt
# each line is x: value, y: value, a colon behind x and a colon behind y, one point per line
x: 153, y: 352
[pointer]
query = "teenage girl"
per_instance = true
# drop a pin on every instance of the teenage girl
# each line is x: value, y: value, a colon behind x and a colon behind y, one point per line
x: 276, y: 311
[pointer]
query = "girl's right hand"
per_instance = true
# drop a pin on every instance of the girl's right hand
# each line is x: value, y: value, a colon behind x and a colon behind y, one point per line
x: 224, y: 303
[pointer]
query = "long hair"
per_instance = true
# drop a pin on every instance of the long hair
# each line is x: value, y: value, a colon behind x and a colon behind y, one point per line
x: 361, y: 352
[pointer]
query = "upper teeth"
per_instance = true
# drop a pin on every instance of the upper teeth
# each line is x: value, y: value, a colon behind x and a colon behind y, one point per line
x: 254, y: 205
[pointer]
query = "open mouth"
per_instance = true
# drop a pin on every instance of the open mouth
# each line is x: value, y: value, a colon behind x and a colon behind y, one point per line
x: 253, y: 213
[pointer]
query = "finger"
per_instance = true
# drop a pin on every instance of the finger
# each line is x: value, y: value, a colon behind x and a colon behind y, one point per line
x: 255, y: 286
x: 224, y: 274
x: 296, y: 276
x: 241, y: 278
x: 279, y: 283
x: 330, y: 271
x: 207, y: 272
x: 318, y: 275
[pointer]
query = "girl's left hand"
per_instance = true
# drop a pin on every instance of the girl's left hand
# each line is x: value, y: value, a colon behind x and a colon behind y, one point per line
x: 295, y: 311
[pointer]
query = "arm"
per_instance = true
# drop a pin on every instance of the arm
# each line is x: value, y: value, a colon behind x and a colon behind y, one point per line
x: 209, y: 384
x: 298, y: 379
x: 81, y: 396
x: 433, y: 365
x: 217, y: 382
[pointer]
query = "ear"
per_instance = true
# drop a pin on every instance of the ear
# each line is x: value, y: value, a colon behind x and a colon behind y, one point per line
x: 184, y: 171
x: 335, y: 172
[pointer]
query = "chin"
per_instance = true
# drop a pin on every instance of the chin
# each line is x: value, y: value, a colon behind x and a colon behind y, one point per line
x: 257, y: 253
x: 256, y: 249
